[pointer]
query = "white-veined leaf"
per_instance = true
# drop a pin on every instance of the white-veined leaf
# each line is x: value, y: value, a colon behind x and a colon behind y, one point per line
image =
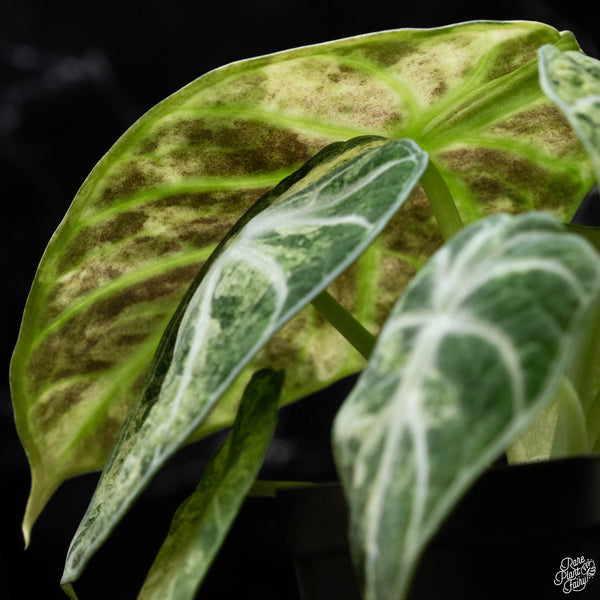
x: 278, y: 262
x: 572, y: 80
x: 473, y: 351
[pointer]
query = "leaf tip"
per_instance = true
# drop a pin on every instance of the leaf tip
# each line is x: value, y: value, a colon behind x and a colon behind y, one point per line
x: 26, y: 531
x: 31, y: 514
x: 39, y: 495
x: 69, y: 591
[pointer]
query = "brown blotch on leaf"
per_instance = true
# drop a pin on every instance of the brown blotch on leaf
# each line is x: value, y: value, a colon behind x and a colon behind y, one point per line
x: 259, y: 148
x: 344, y: 287
x: 99, y: 338
x: 196, y: 200
x: 506, y: 182
x: 513, y: 53
x: 195, y: 132
x: 394, y: 275
x: 148, y: 145
x: 284, y: 348
x: 491, y: 172
x: 544, y: 122
x: 146, y: 247
x: 57, y: 403
x: 222, y: 147
x: 413, y: 230
x: 146, y: 291
x: 127, y: 180
x: 387, y: 53
x: 131, y: 339
x: 225, y: 204
x: 86, y: 365
x: 92, y: 451
x: 440, y: 89
x: 89, y: 237
x: 281, y: 351
x: 203, y: 231
x: 63, y: 354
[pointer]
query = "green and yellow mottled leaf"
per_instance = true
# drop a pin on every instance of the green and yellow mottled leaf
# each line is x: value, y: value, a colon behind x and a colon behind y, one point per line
x: 273, y: 266
x: 572, y: 80
x: 159, y: 202
x: 470, y: 355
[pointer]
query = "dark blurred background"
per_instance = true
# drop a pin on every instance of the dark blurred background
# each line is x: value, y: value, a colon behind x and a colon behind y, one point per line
x: 73, y: 76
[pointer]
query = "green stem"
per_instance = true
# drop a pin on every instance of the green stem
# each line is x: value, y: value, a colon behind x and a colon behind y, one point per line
x: 345, y: 323
x: 441, y: 201
x: 268, y: 489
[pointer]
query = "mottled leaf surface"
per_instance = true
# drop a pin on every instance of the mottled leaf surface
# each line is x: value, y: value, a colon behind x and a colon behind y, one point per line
x: 572, y: 80
x: 473, y: 351
x: 157, y: 204
x: 202, y: 522
x: 274, y: 265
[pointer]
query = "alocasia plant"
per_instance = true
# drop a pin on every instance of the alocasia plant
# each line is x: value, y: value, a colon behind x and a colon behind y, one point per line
x: 191, y: 263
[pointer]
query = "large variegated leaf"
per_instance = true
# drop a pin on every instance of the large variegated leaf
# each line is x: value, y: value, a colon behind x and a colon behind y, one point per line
x: 473, y: 351
x: 273, y: 266
x: 572, y: 80
x: 157, y: 204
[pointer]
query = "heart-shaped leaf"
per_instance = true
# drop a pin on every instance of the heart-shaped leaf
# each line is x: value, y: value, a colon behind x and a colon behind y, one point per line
x: 470, y: 355
x: 572, y: 80
x: 273, y: 266
x: 158, y: 203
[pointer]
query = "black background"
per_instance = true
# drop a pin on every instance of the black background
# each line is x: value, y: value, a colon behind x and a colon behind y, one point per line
x: 73, y: 76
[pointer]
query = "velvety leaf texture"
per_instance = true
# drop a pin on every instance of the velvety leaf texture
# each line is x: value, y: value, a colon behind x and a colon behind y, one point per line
x: 155, y: 207
x: 274, y: 265
x: 572, y: 80
x: 203, y: 520
x: 470, y: 355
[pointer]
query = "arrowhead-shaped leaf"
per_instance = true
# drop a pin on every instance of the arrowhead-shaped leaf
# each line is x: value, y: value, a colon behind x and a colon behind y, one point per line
x: 474, y: 350
x: 158, y: 203
x: 572, y: 80
x: 203, y: 520
x: 273, y: 266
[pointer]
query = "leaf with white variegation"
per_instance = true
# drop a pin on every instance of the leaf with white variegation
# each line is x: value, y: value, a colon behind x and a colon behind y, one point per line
x: 203, y: 520
x: 273, y: 266
x: 154, y: 208
x: 474, y: 350
x: 572, y: 80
